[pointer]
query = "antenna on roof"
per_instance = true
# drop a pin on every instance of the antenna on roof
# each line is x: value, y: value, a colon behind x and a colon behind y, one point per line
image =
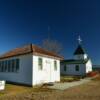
x: 48, y: 32
x: 79, y: 39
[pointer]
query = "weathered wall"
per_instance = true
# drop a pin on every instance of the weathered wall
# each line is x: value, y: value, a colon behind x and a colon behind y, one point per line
x: 71, y: 69
x: 47, y: 74
x: 24, y: 75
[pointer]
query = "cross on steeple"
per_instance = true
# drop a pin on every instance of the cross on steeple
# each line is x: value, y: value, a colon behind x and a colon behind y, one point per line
x: 79, y: 39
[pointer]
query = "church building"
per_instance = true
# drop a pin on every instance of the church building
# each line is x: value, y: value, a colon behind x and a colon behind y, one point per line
x: 80, y: 65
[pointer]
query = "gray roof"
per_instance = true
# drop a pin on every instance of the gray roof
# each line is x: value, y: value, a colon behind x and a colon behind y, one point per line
x: 79, y: 50
x: 74, y: 61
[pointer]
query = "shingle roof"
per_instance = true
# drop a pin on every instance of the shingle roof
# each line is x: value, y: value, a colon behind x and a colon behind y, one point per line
x: 79, y: 50
x: 73, y: 61
x: 29, y: 49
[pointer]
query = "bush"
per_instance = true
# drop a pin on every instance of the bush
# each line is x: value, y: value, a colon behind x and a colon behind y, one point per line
x: 92, y: 74
x: 69, y: 78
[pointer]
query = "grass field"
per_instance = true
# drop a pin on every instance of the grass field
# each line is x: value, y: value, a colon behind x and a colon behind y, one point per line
x: 88, y: 91
x: 69, y: 78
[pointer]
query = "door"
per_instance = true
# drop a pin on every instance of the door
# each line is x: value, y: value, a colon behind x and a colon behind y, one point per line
x: 47, y: 71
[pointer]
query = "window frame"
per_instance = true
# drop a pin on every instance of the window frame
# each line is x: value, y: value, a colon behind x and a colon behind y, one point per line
x: 17, y: 64
x: 10, y: 66
x: 65, y: 68
x: 55, y: 65
x: 77, y: 67
x: 40, y: 63
x: 6, y: 65
x: 0, y: 66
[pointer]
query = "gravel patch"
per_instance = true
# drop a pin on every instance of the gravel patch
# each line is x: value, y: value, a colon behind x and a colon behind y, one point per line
x: 66, y: 85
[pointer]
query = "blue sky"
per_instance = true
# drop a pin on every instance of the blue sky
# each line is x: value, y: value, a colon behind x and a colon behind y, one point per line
x: 27, y: 21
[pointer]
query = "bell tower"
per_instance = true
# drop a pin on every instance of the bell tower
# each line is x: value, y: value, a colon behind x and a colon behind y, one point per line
x: 79, y: 53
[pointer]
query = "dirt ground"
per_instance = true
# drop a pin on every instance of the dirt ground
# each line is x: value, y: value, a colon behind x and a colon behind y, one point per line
x: 88, y: 91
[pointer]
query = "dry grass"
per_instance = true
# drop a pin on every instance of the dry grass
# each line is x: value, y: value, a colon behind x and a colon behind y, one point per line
x: 69, y: 78
x: 88, y: 91
x: 13, y: 89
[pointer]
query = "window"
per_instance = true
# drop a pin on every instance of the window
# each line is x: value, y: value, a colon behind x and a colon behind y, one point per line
x: 65, y: 68
x: 55, y: 65
x: 40, y: 64
x: 9, y: 65
x: 79, y: 57
x: 77, y: 67
x: 13, y: 65
x: 5, y: 66
x: 0, y: 66
x: 17, y: 65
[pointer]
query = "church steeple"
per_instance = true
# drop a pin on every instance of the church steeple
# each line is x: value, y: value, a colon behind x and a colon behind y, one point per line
x: 80, y: 52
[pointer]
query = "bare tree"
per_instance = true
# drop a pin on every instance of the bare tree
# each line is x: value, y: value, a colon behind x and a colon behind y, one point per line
x: 52, y: 45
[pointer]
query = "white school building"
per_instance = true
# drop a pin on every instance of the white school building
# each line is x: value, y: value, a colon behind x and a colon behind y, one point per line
x: 30, y: 65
